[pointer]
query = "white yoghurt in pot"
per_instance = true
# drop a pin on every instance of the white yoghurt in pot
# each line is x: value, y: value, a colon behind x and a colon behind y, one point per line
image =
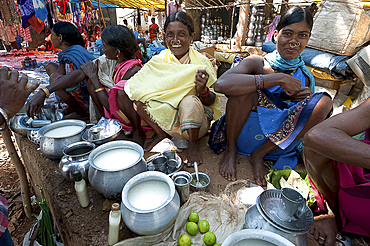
x: 254, y: 242
x: 63, y: 131
x: 116, y: 159
x: 149, y: 194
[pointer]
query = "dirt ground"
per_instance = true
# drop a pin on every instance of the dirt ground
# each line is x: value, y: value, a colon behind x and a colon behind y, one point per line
x: 90, y: 225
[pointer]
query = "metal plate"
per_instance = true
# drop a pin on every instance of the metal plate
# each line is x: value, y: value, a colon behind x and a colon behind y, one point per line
x: 269, y: 203
x: 178, y: 159
x: 106, y: 139
x: 24, y: 118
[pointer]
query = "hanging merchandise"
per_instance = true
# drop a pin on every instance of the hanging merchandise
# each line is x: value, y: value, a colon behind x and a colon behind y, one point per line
x: 63, y: 6
x: 40, y: 9
x: 27, y: 11
x: 5, y: 13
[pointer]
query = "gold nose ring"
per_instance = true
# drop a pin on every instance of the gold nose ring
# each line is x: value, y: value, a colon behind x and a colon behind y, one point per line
x: 295, y: 45
x: 175, y: 42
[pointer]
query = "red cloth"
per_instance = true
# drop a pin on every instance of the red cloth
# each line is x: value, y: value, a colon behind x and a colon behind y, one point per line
x: 153, y: 30
x: 119, y: 73
x: 3, y: 215
x: 36, y: 24
x: 354, y: 197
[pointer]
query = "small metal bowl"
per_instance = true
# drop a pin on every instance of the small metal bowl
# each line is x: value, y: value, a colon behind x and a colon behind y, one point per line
x: 203, y: 178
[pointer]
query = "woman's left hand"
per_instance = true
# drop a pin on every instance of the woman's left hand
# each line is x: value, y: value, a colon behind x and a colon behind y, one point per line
x: 201, y: 78
x: 301, y: 94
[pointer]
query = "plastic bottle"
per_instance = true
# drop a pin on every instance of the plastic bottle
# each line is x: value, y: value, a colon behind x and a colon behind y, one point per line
x: 114, y: 221
x: 81, y: 190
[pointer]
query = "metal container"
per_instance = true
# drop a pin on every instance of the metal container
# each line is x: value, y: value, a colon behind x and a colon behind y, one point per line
x: 15, y: 126
x: 76, y: 157
x: 182, y: 181
x: 53, y: 147
x: 257, y: 218
x: 254, y: 237
x: 154, y: 221
x: 203, y: 178
x: 110, y: 182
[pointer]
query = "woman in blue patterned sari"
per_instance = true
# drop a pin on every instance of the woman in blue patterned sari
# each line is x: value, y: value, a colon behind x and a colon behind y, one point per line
x: 271, y: 101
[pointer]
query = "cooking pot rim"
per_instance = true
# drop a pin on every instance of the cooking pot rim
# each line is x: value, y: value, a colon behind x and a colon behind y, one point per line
x: 61, y: 123
x: 147, y: 176
x: 257, y: 234
x: 81, y: 144
x: 116, y: 145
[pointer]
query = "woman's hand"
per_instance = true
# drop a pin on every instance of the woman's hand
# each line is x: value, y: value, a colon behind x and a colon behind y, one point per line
x: 90, y: 68
x: 290, y: 84
x: 12, y: 92
x: 35, y: 103
x: 301, y: 94
x: 201, y: 78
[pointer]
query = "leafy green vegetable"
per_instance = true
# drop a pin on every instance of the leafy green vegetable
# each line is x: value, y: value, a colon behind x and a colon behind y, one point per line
x: 45, y: 232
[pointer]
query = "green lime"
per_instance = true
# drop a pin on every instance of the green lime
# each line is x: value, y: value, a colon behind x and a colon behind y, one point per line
x: 192, y: 228
x: 184, y: 240
x: 209, y: 238
x: 203, y: 226
x: 194, y: 217
x: 216, y: 244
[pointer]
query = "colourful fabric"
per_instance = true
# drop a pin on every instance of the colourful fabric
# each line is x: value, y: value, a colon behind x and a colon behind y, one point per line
x: 114, y: 111
x: 73, y: 57
x: 167, y: 82
x: 3, y: 215
x: 153, y: 30
x: 75, y: 54
x: 354, y: 197
x: 40, y: 9
x: 272, y: 27
x: 278, y: 62
x: 27, y: 11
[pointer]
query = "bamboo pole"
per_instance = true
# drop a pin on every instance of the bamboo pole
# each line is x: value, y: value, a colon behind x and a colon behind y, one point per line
x: 101, y: 14
x: 7, y: 137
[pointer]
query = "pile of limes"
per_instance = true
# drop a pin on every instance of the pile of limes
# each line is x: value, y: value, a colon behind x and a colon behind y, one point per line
x: 192, y: 228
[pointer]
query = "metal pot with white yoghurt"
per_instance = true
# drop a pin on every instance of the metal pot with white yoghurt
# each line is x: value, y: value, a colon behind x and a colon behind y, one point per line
x: 58, y: 135
x: 113, y: 164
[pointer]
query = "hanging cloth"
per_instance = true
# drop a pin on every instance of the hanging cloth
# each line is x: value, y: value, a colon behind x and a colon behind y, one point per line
x: 40, y: 9
x: 27, y: 11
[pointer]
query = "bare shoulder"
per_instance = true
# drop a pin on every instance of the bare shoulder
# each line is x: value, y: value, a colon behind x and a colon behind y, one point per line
x: 252, y: 64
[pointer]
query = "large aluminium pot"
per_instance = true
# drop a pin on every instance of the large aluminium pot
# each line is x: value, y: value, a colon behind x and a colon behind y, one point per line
x: 256, y: 237
x: 153, y: 220
x: 53, y: 147
x: 109, y: 181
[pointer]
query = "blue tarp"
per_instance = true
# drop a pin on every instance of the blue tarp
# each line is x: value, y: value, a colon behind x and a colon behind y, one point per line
x: 103, y: 5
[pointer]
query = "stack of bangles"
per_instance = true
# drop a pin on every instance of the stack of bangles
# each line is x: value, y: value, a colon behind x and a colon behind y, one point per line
x: 259, y: 81
x: 204, y: 95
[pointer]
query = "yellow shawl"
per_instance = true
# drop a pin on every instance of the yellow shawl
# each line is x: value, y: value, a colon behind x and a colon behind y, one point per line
x: 163, y: 82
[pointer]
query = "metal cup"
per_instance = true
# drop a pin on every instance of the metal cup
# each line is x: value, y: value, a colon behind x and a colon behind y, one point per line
x: 182, y: 181
x: 171, y: 165
x: 95, y: 133
x: 171, y: 154
x: 160, y: 163
x: 292, y: 204
x: 49, y: 112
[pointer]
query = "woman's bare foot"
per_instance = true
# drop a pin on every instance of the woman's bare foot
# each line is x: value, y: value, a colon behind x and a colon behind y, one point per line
x: 156, y: 139
x: 227, y: 166
x: 194, y: 154
x: 259, y: 169
x: 324, y: 229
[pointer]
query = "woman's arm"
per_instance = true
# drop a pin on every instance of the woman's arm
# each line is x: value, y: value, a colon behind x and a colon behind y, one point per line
x: 240, y: 80
x: 332, y: 138
x: 61, y: 82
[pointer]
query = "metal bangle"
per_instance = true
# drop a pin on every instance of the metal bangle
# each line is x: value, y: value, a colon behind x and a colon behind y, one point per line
x: 99, y: 89
x: 46, y: 91
x: 6, y: 119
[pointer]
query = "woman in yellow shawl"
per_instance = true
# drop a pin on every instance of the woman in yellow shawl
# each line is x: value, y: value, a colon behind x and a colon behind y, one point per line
x: 172, y: 91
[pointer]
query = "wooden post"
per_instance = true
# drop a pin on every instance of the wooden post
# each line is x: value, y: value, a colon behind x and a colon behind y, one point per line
x: 7, y: 137
x: 241, y: 29
x: 268, y: 8
x: 101, y: 13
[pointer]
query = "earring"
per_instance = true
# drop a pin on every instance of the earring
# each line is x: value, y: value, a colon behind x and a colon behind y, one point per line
x: 118, y: 52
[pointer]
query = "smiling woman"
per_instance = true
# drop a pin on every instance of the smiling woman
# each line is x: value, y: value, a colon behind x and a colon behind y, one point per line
x: 178, y: 100
x: 271, y: 102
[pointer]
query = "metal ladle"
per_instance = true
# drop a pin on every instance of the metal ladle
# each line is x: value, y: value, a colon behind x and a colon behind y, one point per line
x: 197, y: 184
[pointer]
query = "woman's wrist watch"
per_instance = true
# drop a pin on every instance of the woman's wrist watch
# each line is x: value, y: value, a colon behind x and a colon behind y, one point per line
x: 6, y: 120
